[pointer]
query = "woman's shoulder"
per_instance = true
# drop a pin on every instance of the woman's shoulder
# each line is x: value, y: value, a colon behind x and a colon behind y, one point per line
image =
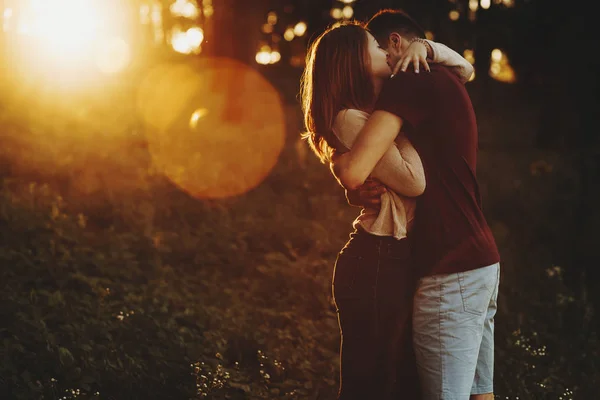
x: 352, y: 112
x: 350, y: 116
x: 348, y: 124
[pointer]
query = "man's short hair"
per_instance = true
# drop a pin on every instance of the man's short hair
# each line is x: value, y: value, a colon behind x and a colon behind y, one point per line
x: 388, y: 21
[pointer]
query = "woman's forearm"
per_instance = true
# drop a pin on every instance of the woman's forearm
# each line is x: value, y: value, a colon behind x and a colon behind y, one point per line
x: 400, y: 167
x: 401, y: 170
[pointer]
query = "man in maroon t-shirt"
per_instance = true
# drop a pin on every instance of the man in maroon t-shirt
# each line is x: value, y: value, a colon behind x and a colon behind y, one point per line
x: 454, y: 250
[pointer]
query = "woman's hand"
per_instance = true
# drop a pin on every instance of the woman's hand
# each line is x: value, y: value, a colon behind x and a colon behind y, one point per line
x: 415, y: 53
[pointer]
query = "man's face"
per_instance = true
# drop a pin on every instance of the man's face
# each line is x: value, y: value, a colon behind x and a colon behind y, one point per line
x: 395, y: 47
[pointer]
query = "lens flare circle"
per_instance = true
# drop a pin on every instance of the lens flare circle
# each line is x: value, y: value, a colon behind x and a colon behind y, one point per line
x: 216, y: 126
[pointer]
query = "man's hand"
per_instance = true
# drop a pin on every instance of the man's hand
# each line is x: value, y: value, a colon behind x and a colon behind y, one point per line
x: 367, y: 195
x: 417, y: 54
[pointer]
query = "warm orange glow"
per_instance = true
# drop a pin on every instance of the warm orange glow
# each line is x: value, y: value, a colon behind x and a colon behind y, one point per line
x: 337, y: 13
x: 185, y: 8
x: 157, y: 22
x: 65, y: 27
x: 187, y: 42
x: 300, y: 28
x: 289, y: 34
x: 196, y: 115
x: 298, y: 61
x: 473, y: 5
x: 266, y: 55
x: 500, y: 68
x: 497, y: 55
x: 301, y: 152
x: 485, y: 4
x: 348, y: 12
x: 145, y: 14
x: 272, y: 18
x: 469, y: 56
x: 263, y: 57
x: 234, y: 136
x: 275, y: 56
x: 195, y: 36
x: 454, y: 15
x: 69, y: 38
x: 180, y: 43
x: 159, y: 114
x: 113, y: 55
x: 267, y: 28
x: 6, y: 19
x: 429, y: 35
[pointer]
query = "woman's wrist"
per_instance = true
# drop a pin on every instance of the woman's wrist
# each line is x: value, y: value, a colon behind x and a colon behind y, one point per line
x: 425, y: 43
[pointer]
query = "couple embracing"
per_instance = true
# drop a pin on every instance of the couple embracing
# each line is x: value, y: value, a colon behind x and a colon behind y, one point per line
x: 416, y: 285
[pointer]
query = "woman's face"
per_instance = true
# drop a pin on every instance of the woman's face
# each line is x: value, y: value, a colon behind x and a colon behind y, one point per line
x: 379, y: 59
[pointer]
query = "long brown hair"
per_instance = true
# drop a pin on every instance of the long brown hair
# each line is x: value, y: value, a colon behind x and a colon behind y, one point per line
x: 337, y: 76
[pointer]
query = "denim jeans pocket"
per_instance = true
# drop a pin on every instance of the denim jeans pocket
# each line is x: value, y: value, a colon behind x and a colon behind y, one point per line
x: 476, y: 289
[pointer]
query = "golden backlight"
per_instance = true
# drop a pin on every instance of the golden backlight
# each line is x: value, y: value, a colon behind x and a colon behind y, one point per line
x: 67, y: 37
x: 65, y: 26
x: 216, y: 127
x: 500, y: 68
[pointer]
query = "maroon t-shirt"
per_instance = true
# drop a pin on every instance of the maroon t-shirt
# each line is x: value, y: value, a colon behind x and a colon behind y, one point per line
x: 450, y: 233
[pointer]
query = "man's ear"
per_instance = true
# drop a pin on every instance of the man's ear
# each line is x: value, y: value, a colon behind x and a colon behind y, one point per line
x: 395, y: 40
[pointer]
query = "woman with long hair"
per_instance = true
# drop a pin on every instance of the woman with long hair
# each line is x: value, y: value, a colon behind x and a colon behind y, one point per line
x: 373, y: 280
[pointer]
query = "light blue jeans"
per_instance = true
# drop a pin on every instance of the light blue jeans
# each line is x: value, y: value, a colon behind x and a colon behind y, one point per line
x: 453, y: 333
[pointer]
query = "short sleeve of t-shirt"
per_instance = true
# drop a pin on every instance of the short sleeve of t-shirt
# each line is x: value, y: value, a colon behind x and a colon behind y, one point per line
x: 406, y: 95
